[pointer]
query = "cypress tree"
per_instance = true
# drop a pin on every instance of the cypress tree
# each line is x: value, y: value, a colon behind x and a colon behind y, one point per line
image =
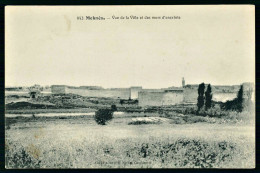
x: 200, y: 99
x: 208, y: 98
x: 239, y: 99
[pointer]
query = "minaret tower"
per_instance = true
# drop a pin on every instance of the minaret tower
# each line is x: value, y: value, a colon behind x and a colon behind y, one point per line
x: 183, y: 82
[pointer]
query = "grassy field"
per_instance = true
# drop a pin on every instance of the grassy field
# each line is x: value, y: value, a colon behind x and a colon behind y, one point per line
x: 81, y: 143
x: 37, y: 111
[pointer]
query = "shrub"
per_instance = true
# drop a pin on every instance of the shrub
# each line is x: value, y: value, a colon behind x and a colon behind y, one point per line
x: 170, y: 114
x: 244, y: 116
x: 18, y: 157
x: 184, y: 153
x: 215, y: 111
x: 189, y: 111
x: 113, y: 108
x: 104, y: 115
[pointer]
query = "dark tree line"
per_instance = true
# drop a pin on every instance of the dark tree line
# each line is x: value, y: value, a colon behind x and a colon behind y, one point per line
x: 205, y: 99
x: 237, y: 103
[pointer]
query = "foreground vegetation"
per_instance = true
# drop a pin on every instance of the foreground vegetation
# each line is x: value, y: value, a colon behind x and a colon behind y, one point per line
x: 82, y: 143
x: 172, y: 153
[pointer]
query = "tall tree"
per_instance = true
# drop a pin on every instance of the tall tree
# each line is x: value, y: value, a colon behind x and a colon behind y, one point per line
x: 200, y: 102
x: 239, y: 99
x: 208, y: 98
x: 237, y: 103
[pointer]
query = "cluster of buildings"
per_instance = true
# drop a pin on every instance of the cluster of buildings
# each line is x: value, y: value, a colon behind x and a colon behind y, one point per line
x: 186, y: 94
x: 34, y: 91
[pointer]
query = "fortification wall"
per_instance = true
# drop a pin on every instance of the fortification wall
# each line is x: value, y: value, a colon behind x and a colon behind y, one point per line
x: 225, y: 88
x: 150, y: 98
x: 58, y: 89
x: 134, y: 92
x: 159, y: 98
x: 190, y: 95
x: 173, y: 98
x: 113, y: 93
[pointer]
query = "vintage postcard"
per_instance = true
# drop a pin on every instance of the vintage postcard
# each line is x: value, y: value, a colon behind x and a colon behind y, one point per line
x: 130, y: 86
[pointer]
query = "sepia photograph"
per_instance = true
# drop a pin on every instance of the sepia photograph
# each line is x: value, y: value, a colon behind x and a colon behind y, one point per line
x: 162, y: 86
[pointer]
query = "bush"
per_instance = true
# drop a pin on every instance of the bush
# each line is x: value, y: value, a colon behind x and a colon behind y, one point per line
x: 184, y: 153
x: 189, y: 111
x: 215, y: 111
x: 104, y: 115
x: 19, y: 157
x: 113, y: 108
x: 245, y: 116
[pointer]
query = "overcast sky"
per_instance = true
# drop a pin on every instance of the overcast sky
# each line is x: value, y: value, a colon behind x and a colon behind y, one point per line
x: 48, y: 45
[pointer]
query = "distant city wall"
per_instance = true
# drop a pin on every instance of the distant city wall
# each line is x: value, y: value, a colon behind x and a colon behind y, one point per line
x: 190, y: 95
x: 113, y: 93
x: 157, y: 97
x: 58, y: 89
x: 134, y: 92
x: 160, y: 98
x: 153, y: 96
